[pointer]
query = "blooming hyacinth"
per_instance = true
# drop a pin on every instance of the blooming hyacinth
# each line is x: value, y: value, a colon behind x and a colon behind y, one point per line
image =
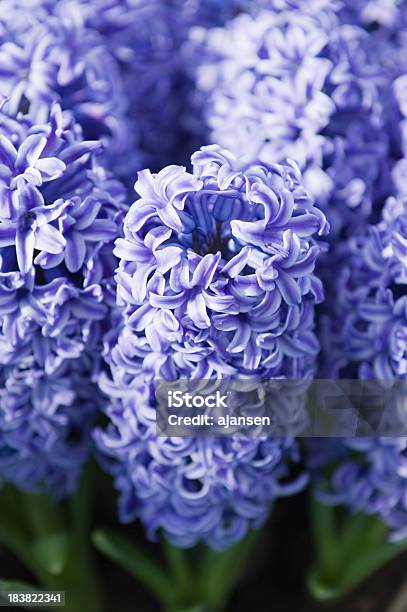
x: 193, y: 489
x: 59, y: 215
x: 216, y: 269
x: 400, y: 124
x: 366, y: 336
x: 146, y: 39
x: 367, y: 321
x: 215, y: 279
x: 369, y: 477
x: 45, y: 424
x: 296, y: 82
x: 47, y: 54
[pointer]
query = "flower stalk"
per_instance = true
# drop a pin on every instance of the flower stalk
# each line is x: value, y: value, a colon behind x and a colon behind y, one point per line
x: 347, y: 551
x: 51, y: 540
x: 193, y: 580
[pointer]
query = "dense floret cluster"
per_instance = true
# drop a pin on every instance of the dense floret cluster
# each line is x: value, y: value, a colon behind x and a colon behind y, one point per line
x: 45, y: 423
x: 215, y: 279
x: 367, y: 320
x: 59, y: 215
x: 389, y: 15
x: 365, y: 335
x: 210, y: 490
x: 146, y: 39
x: 48, y: 54
x: 215, y: 271
x: 299, y: 83
x: 368, y: 475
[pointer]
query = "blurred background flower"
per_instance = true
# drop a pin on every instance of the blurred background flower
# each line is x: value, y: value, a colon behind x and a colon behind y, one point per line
x: 59, y: 216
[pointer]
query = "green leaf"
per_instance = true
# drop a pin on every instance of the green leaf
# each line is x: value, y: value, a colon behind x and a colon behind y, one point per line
x: 221, y: 569
x: 52, y: 540
x: 18, y: 543
x: 117, y: 548
x: 320, y: 590
x: 348, y: 553
x: 179, y: 563
x: 12, y: 510
x: 44, y: 515
x: 325, y: 536
x: 51, y: 551
x: 368, y: 561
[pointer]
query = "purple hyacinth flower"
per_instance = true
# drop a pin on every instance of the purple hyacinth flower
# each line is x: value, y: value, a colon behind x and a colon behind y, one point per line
x: 364, y: 335
x: 215, y: 280
x: 45, y: 424
x: 48, y: 53
x: 192, y: 489
x: 60, y: 213
x: 146, y: 40
x: 45, y: 209
x: 216, y: 270
x: 298, y: 81
x: 365, y: 327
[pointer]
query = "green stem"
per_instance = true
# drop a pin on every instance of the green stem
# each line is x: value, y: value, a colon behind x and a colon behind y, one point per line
x: 180, y: 567
x: 347, y: 553
x: 80, y: 571
x: 197, y: 580
x: 52, y: 542
x: 221, y: 570
x: 117, y: 548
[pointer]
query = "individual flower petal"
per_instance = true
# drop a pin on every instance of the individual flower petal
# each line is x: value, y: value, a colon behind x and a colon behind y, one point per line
x: 25, y: 243
x: 48, y: 238
x: 30, y: 151
x: 50, y: 168
x: 75, y: 251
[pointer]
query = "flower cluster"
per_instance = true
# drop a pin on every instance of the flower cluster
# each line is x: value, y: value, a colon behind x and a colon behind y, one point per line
x: 210, y: 273
x: 215, y: 279
x: 365, y: 335
x: 299, y: 83
x: 45, y: 424
x: 216, y: 270
x: 47, y: 55
x: 146, y: 40
x: 366, y: 475
x: 194, y: 490
x: 387, y: 14
x: 59, y: 215
x: 367, y: 323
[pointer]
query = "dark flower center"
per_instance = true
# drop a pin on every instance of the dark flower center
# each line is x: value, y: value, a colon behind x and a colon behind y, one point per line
x: 27, y: 221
